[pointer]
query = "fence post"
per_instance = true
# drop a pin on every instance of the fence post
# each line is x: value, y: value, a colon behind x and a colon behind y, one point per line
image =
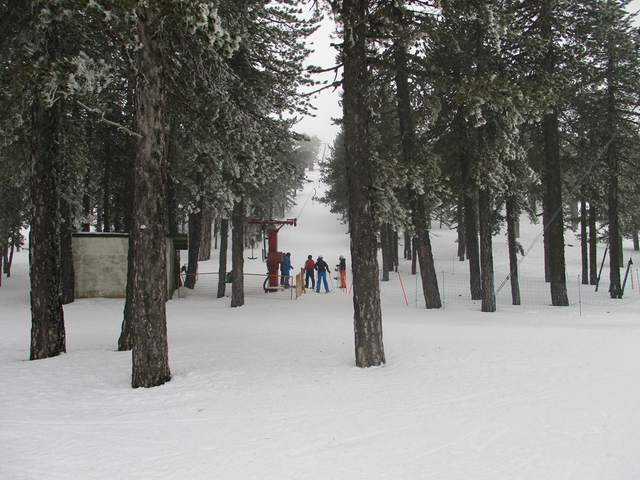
x: 443, y: 291
x: 580, y: 294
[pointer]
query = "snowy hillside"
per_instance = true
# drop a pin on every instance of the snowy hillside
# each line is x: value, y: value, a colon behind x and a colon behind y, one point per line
x: 270, y: 390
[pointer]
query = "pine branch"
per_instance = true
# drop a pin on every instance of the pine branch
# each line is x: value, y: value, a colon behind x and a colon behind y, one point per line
x: 108, y: 122
x: 331, y: 85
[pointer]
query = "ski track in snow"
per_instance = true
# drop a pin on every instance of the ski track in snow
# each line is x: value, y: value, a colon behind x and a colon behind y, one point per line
x: 270, y: 390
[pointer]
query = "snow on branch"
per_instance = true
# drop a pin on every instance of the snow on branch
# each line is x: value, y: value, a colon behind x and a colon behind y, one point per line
x: 108, y: 122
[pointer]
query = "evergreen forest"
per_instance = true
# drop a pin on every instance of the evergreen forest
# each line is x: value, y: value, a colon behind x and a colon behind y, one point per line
x: 165, y: 117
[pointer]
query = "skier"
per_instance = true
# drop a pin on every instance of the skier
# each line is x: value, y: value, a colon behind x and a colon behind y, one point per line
x: 309, y: 266
x: 286, y: 266
x: 322, y: 268
x: 342, y: 267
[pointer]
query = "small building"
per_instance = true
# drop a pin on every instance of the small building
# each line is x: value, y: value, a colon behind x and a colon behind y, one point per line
x: 100, y: 263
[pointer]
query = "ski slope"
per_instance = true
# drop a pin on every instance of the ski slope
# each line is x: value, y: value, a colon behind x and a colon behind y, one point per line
x: 270, y: 390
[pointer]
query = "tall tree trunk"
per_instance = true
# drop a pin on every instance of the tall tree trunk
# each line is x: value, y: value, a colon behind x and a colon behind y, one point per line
x: 407, y: 246
x: 512, y: 219
x: 554, y: 230
x: 584, y: 242
x: 553, y: 215
x: 485, y: 209
x: 615, y: 247
x: 419, y: 217
x: 414, y: 257
x: 369, y: 348
x: 195, y: 237
x: 150, y: 346
x: 462, y: 243
x: 223, y: 227
x: 636, y: 241
x: 473, y: 247
x: 237, y: 254
x: 7, y: 255
x: 205, y: 242
x: 68, y: 277
x: 173, y: 222
x: 394, y: 249
x: 546, y: 247
x: 47, y: 317
x: 86, y: 203
x: 593, y: 246
x: 386, y: 254
x: 106, y: 185
x: 125, y: 341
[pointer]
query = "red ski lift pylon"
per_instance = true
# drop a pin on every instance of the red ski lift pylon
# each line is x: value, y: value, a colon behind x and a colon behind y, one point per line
x: 270, y: 229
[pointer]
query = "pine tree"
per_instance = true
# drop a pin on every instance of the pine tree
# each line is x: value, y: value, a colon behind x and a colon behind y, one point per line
x: 369, y: 348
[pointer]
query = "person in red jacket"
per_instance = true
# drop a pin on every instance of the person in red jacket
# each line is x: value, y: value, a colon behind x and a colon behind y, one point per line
x: 309, y: 265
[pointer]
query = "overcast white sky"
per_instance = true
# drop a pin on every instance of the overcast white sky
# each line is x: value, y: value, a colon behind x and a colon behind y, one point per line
x: 327, y: 101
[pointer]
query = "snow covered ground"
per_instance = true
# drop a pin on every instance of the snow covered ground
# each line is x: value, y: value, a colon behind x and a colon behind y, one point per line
x: 270, y: 390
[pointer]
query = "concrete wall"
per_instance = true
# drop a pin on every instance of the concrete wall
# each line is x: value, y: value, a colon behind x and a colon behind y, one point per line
x: 100, y: 263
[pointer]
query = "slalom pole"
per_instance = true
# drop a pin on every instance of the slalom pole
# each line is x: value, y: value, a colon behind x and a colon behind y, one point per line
x: 403, y: 292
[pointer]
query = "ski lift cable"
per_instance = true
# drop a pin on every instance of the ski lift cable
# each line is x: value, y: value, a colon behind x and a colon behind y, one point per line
x: 571, y: 189
x: 311, y: 195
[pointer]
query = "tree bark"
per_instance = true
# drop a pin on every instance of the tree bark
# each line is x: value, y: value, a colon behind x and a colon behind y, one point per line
x: 554, y: 229
x: 223, y: 227
x: 615, y: 247
x: 205, y: 241
x: 386, y: 253
x: 473, y: 247
x: 407, y: 246
x: 173, y: 222
x: 553, y: 215
x: 461, y: 231
x: 150, y: 346
x: 125, y: 341
x: 68, y: 277
x: 593, y: 246
x: 48, y: 338
x: 106, y: 185
x: 485, y: 209
x: 414, y: 257
x: 237, y: 254
x: 195, y: 238
x: 584, y: 242
x: 512, y: 219
x: 369, y: 348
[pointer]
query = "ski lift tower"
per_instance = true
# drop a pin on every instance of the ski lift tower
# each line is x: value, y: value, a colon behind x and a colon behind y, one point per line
x: 270, y: 229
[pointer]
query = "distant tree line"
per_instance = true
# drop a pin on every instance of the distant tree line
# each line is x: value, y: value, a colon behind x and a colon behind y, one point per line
x: 146, y: 116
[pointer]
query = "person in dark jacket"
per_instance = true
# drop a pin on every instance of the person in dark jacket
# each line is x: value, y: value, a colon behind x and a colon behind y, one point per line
x: 309, y: 273
x: 322, y: 268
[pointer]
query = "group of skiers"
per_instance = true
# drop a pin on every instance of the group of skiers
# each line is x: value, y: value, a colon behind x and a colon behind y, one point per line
x: 310, y: 266
x: 322, y: 267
